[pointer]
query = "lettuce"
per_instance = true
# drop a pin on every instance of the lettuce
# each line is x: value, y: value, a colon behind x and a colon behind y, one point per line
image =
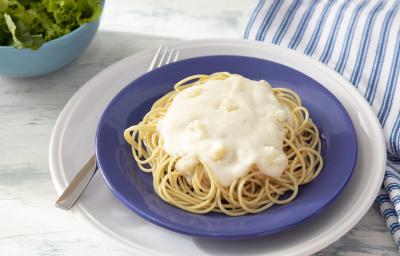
x: 30, y: 23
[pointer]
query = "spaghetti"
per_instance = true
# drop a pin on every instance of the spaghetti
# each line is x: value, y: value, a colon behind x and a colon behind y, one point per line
x: 250, y: 193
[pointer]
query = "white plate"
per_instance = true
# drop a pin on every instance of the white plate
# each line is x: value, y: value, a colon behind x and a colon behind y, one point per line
x: 72, y: 143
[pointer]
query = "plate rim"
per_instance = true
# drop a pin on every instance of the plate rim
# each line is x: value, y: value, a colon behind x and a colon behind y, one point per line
x: 84, y: 214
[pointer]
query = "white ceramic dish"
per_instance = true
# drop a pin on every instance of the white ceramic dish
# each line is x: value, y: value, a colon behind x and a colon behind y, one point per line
x: 72, y: 143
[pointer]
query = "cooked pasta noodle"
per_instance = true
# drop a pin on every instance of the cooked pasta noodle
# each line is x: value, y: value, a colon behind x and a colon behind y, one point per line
x: 251, y: 193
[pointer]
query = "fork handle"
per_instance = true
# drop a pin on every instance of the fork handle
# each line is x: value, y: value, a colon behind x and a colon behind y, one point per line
x: 77, y: 185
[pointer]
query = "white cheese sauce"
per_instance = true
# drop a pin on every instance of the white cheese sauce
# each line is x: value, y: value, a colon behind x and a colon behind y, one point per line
x: 228, y: 125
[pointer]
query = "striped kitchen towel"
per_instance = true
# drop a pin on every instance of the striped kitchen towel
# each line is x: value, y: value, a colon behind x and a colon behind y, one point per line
x: 359, y: 39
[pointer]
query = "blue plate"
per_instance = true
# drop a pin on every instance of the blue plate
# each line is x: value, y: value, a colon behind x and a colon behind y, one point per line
x: 134, y: 188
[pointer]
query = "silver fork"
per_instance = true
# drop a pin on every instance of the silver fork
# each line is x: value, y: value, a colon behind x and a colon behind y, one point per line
x: 163, y: 56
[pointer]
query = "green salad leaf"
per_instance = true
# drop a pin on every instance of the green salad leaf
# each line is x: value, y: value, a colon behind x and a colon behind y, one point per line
x: 30, y: 23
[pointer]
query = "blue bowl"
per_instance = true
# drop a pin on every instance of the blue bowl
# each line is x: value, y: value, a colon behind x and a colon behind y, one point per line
x: 134, y: 188
x: 51, y: 56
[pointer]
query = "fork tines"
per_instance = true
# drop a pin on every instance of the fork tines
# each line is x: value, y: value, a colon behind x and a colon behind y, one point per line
x: 163, y: 56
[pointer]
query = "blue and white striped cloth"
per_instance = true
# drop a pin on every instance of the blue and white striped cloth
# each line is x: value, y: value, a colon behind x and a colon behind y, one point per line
x: 359, y: 39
